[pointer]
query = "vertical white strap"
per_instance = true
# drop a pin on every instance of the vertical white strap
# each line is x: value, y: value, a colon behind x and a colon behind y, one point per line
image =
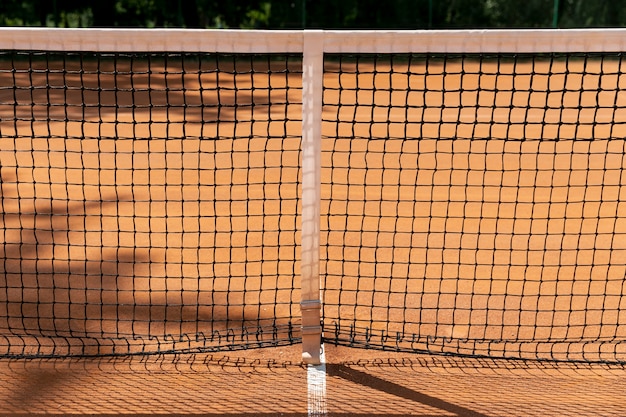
x: 312, y: 79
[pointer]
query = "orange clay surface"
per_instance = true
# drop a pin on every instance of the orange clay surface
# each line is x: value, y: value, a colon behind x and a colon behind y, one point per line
x: 89, y: 194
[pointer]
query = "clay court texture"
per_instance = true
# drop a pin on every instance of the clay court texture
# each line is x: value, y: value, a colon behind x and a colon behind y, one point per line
x: 472, y: 224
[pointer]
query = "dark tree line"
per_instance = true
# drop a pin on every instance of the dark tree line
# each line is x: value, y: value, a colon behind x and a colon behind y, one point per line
x: 339, y: 14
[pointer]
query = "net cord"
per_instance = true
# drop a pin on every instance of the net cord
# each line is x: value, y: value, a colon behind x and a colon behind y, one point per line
x: 292, y: 41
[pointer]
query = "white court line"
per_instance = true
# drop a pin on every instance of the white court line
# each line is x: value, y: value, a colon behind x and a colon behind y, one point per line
x: 316, y: 380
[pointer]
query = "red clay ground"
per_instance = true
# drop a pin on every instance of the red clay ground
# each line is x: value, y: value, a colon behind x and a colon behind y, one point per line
x: 255, y: 385
x: 97, y: 248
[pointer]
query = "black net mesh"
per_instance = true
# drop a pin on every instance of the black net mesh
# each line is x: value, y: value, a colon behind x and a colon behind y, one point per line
x: 149, y: 202
x: 475, y: 204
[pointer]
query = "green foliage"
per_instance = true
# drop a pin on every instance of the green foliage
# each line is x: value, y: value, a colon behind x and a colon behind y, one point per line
x: 258, y: 18
x: 344, y: 14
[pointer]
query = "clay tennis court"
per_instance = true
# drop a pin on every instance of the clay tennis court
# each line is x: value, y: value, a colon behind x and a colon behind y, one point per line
x: 159, y: 213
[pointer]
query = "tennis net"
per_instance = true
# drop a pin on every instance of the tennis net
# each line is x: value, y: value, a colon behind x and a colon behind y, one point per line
x: 442, y: 192
x: 149, y: 200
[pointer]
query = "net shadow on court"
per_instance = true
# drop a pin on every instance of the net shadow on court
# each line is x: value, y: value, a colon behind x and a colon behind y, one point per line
x: 251, y: 384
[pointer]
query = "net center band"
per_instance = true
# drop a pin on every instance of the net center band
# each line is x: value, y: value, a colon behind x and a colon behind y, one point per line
x: 448, y: 192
